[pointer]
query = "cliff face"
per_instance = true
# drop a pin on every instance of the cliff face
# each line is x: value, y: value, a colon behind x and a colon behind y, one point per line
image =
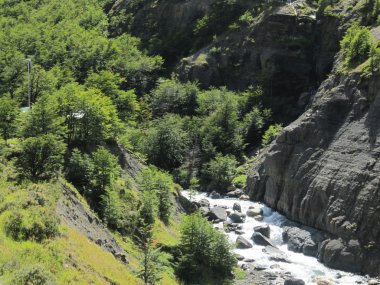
x: 323, y: 171
x: 285, y: 49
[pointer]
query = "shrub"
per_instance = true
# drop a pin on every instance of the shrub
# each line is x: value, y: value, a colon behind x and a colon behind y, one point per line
x: 356, y: 45
x: 35, y: 224
x: 271, y: 134
x: 34, y: 275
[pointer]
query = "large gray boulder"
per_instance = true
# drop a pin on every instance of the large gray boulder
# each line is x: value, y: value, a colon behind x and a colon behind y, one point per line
x: 203, y: 203
x: 242, y: 243
x: 264, y: 230
x: 235, y: 194
x: 236, y: 207
x: 237, y: 217
x: 215, y: 195
x: 217, y: 213
x: 259, y: 239
x: 301, y: 240
x: 254, y: 211
x: 294, y: 281
x: 334, y: 252
x: 275, y: 254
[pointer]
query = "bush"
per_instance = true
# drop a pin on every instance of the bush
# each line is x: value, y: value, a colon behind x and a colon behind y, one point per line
x: 356, y: 45
x: 36, y: 224
x: 205, y: 251
x: 220, y: 172
x: 271, y: 134
x: 34, y: 275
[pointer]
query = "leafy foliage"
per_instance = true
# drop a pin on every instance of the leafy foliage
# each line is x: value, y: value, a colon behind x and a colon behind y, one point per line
x: 220, y: 172
x: 271, y: 134
x: 205, y: 251
x: 8, y: 114
x: 356, y: 45
x: 40, y: 158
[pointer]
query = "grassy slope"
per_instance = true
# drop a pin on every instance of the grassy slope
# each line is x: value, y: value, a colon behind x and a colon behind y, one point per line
x: 71, y: 258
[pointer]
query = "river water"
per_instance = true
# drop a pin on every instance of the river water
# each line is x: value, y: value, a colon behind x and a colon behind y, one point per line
x: 303, y: 267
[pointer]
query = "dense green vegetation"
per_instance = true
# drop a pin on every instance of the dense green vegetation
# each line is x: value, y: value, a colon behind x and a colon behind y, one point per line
x: 96, y: 94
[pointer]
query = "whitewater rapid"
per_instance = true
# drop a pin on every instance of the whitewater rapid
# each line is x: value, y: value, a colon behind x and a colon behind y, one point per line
x: 303, y: 267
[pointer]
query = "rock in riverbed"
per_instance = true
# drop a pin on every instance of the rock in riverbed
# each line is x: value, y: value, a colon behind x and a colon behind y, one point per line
x: 259, y: 239
x: 264, y: 230
x: 242, y: 243
x: 237, y: 217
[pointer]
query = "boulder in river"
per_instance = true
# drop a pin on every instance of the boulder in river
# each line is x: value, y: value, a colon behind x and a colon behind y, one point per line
x: 275, y: 254
x: 264, y: 230
x: 294, y: 281
x: 237, y: 217
x: 244, y: 197
x: 333, y: 252
x: 259, y: 218
x: 205, y: 211
x: 235, y: 194
x: 322, y: 281
x: 236, y: 207
x: 302, y: 240
x: 215, y: 195
x: 252, y: 212
x: 242, y: 243
x: 218, y: 213
x: 259, y: 239
x: 204, y: 203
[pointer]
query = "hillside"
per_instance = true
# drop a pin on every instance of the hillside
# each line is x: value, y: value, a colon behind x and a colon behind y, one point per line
x: 109, y: 109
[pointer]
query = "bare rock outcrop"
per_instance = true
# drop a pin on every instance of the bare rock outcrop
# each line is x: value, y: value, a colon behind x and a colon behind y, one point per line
x: 323, y: 171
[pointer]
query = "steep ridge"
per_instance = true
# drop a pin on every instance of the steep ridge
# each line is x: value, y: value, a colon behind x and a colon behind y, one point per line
x: 323, y: 171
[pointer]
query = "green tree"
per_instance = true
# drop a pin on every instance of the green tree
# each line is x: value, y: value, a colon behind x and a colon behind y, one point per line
x: 111, y: 208
x: 166, y: 143
x: 80, y: 170
x: 40, y: 158
x: 90, y: 117
x: 149, y: 208
x: 9, y: 111
x: 171, y: 96
x: 159, y: 185
x: 109, y: 84
x: 220, y: 172
x: 42, y: 119
x: 205, y: 251
x: 106, y: 169
x: 222, y: 131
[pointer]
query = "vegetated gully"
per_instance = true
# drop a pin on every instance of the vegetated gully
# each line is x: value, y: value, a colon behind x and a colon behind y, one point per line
x: 298, y: 265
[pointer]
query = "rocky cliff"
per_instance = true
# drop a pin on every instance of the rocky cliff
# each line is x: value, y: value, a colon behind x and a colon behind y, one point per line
x: 323, y: 171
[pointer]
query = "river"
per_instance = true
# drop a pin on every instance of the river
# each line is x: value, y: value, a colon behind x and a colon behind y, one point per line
x: 303, y: 267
